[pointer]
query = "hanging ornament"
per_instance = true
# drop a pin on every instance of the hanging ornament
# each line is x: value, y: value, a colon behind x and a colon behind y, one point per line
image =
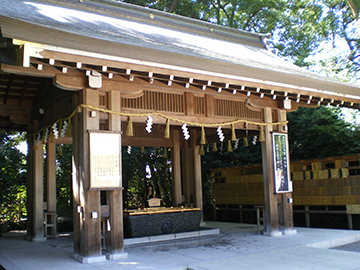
x: 261, y: 135
x: 149, y: 123
x: 55, y: 131
x: 233, y: 134
x: 46, y: 135
x: 129, y: 149
x: 165, y: 153
x: 167, y: 130
x: 236, y: 144
x: 214, y: 148
x: 254, y: 140
x: 202, y: 140
x: 202, y: 152
x: 142, y: 149
x: 208, y: 148
x: 245, y: 142
x: 37, y: 139
x: 63, y: 129
x: 185, y: 131
x: 130, y: 128
x: 60, y: 150
x: 229, y: 148
x: 69, y: 129
x: 220, y: 134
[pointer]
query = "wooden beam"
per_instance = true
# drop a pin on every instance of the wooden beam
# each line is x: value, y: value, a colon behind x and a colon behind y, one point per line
x: 61, y: 56
x: 79, y: 81
x: 46, y: 71
x: 261, y: 103
x: 70, y: 83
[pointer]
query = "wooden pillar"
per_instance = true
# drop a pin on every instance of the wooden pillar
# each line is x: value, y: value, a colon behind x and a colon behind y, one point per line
x: 51, y: 176
x: 350, y: 221
x: 286, y: 206
x: 197, y: 170
x: 176, y: 166
x: 87, y: 234
x: 115, y: 230
x: 187, y: 172
x: 271, y: 199
x: 307, y: 216
x: 36, y: 192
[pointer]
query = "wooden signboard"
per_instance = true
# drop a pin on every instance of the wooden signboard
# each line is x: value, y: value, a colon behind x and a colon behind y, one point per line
x: 281, y: 163
x: 105, y: 160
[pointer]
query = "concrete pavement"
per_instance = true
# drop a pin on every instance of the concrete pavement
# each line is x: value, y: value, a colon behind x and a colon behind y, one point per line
x: 237, y: 247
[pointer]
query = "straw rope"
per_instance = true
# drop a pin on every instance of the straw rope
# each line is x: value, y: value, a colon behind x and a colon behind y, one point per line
x: 202, y: 125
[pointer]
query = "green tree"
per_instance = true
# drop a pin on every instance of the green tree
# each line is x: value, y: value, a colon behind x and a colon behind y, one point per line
x: 12, y: 178
x: 64, y: 180
x: 136, y: 179
x: 321, y: 132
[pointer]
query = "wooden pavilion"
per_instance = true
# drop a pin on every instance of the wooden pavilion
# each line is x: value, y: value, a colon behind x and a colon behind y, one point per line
x: 83, y: 71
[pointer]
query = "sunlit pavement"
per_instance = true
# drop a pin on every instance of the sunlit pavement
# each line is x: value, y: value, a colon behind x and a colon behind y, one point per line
x: 237, y: 247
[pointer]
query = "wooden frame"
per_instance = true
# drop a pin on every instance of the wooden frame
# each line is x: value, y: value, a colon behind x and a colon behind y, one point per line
x: 281, y: 163
x: 105, y: 160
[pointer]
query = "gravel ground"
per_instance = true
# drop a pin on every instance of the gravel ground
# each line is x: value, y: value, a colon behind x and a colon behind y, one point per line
x: 350, y: 247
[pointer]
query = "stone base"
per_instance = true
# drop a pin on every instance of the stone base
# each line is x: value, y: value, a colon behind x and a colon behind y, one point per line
x: 36, y: 239
x: 94, y: 259
x: 117, y: 256
x: 289, y: 232
x: 273, y: 234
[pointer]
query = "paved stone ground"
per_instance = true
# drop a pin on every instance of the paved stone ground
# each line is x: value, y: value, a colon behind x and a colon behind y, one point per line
x: 237, y: 247
x: 350, y: 247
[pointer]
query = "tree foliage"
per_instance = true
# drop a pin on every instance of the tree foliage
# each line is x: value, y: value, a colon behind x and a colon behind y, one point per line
x: 12, y: 178
x: 141, y: 169
x: 321, y: 132
x: 64, y: 179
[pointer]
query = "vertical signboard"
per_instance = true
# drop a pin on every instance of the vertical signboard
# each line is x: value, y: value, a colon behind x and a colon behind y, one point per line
x: 282, y: 180
x: 105, y: 160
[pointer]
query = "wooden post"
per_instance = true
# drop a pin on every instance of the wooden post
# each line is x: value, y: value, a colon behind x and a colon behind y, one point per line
x: 36, y: 192
x: 286, y: 206
x: 51, y: 176
x: 271, y: 203
x: 307, y: 216
x: 115, y: 231
x: 176, y: 167
x: 50, y: 227
x: 29, y: 184
x: 87, y: 238
x: 350, y: 221
x: 187, y: 173
x: 197, y: 170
